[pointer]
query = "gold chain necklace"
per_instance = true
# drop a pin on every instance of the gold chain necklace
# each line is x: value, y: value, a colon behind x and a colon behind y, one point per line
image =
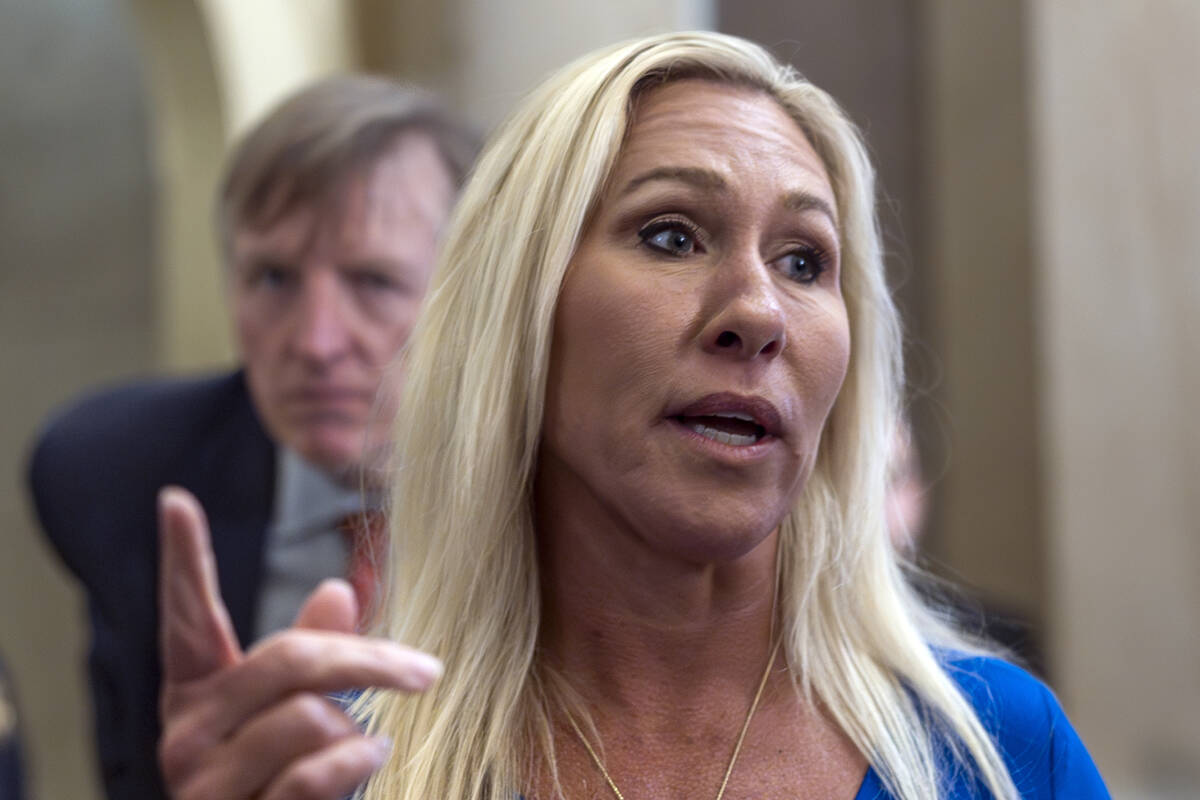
x: 737, y: 748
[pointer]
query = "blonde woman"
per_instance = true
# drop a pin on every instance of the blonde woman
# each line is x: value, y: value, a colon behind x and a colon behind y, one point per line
x: 640, y: 510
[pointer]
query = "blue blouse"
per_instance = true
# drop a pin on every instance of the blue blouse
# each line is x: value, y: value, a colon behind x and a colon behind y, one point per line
x: 1043, y: 753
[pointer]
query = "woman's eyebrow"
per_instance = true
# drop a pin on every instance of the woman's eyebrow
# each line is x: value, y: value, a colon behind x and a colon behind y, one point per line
x: 803, y: 201
x: 696, y: 176
x: 708, y: 179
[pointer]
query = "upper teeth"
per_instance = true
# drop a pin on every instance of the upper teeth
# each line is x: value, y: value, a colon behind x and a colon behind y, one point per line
x: 734, y: 415
x: 725, y: 437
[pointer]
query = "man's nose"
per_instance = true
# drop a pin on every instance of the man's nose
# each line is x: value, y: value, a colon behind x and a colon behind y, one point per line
x: 747, y: 320
x: 321, y: 329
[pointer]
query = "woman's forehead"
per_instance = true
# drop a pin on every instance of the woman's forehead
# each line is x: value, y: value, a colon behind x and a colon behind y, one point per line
x: 716, y: 129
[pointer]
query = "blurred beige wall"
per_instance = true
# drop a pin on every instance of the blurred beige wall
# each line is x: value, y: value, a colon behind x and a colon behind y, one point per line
x: 266, y: 49
x: 485, y: 55
x: 77, y: 209
x: 991, y: 530
x: 187, y: 121
x: 510, y: 47
x: 1116, y: 136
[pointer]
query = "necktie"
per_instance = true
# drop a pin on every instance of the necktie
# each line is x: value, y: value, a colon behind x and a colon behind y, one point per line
x: 366, y: 538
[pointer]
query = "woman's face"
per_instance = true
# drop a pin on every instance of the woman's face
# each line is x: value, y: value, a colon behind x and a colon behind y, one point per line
x: 701, y: 337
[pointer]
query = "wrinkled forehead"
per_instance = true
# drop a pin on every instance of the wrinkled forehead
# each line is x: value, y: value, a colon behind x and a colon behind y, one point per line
x: 707, y: 132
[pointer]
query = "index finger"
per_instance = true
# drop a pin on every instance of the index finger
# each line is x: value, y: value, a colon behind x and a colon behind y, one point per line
x: 313, y: 661
x: 196, y: 635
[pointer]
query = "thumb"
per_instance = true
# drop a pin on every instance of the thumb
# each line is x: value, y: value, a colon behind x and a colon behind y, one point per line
x: 331, y: 607
x: 195, y: 633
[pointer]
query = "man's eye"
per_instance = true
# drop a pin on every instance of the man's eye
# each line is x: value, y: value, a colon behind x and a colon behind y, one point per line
x: 805, y: 264
x: 275, y: 277
x: 272, y: 277
x: 673, y: 237
x: 372, y: 281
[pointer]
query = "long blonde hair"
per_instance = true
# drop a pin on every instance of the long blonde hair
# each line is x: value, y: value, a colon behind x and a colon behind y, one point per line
x: 463, y: 573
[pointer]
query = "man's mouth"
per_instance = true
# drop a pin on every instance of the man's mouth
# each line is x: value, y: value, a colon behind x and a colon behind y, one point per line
x: 328, y: 395
x: 732, y: 428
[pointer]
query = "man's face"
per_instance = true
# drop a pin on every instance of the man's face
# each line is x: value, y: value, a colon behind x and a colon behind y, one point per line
x: 325, y: 297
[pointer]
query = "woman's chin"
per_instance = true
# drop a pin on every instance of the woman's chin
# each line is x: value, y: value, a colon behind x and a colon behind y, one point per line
x: 714, y: 538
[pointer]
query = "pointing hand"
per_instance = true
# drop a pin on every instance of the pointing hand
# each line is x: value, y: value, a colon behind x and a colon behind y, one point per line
x: 258, y: 724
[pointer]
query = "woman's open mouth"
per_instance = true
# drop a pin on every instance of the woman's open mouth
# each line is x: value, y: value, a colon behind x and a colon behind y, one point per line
x: 743, y: 422
x: 732, y: 428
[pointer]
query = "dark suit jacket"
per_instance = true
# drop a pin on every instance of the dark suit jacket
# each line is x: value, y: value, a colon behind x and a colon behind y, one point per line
x: 12, y: 783
x: 94, y: 474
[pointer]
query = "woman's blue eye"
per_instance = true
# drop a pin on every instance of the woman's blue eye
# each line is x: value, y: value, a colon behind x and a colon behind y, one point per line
x: 804, y: 265
x: 671, y: 238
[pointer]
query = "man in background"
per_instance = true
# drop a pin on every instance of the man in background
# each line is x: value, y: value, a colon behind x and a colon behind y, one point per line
x: 329, y: 214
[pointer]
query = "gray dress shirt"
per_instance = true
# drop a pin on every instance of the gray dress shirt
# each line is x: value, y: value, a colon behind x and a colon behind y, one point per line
x: 304, y: 546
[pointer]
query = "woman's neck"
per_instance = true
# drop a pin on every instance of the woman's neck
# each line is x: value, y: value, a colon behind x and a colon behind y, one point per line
x: 629, y: 625
x: 668, y: 655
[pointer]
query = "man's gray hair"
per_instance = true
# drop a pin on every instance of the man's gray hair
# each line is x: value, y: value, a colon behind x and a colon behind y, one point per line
x: 322, y: 135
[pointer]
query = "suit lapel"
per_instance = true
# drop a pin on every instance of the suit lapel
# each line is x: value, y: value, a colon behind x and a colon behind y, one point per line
x: 237, y: 466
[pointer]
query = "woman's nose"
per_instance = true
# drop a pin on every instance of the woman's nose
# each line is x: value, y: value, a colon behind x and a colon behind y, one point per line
x: 747, y: 320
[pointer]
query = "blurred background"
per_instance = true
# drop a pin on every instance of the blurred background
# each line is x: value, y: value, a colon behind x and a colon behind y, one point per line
x: 1041, y: 193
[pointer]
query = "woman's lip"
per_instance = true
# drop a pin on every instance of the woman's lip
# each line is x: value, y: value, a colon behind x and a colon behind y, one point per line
x: 743, y: 452
x: 762, y: 411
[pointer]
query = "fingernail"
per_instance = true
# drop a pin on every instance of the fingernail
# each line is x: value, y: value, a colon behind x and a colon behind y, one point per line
x: 426, y: 669
x: 170, y: 494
